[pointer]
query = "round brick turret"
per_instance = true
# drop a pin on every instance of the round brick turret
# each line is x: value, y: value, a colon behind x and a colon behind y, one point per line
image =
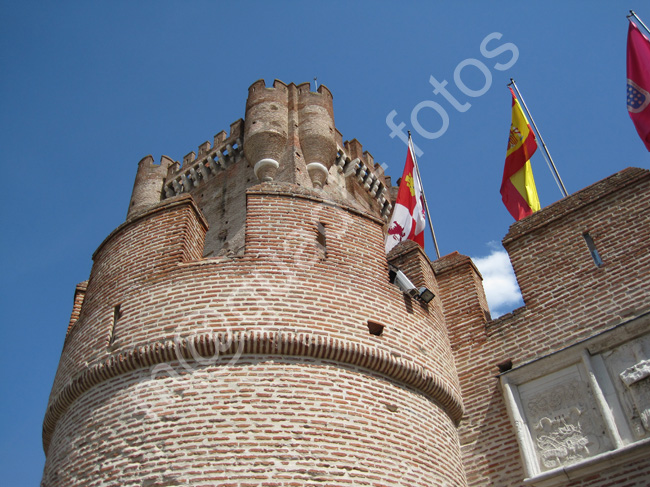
x: 148, y: 185
x: 295, y: 363
x: 316, y: 131
x: 266, y: 127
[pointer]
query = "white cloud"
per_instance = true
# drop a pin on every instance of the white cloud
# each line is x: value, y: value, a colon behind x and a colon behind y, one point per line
x: 499, y: 281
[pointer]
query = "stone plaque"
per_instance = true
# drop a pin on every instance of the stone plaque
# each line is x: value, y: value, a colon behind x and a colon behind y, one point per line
x: 562, y: 417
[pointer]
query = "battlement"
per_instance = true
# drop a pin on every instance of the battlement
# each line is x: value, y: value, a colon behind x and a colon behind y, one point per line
x: 227, y: 150
x: 351, y: 161
x: 368, y: 174
x: 259, y: 89
x: 260, y: 84
x: 288, y: 135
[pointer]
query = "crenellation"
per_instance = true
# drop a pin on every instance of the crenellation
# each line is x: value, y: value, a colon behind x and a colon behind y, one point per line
x: 370, y: 161
x: 369, y: 179
x: 280, y: 84
x: 220, y: 138
x: 237, y: 129
x: 256, y: 86
x: 174, y: 167
x: 354, y: 148
x: 339, y: 138
x: 197, y: 170
x: 189, y: 158
x: 304, y: 88
x: 378, y: 169
x: 204, y: 148
x: 324, y: 90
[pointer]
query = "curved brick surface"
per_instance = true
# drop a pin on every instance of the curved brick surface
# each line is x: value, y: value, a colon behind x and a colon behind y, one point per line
x: 287, y: 296
x: 266, y: 122
x: 316, y: 125
x: 259, y: 421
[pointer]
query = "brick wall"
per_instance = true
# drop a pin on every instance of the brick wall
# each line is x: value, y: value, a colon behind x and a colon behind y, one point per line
x: 293, y: 308
x: 140, y: 250
x: 263, y: 420
x: 222, y: 200
x: 567, y: 299
x: 79, y: 293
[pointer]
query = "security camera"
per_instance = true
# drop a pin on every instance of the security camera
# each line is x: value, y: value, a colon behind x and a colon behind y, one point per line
x: 406, y: 286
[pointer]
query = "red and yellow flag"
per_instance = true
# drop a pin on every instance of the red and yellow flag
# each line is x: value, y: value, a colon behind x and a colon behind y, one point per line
x: 518, y: 190
x: 408, y: 220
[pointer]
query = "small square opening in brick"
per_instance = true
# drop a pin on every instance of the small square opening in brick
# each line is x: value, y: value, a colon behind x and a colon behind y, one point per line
x: 375, y: 328
x: 505, y: 366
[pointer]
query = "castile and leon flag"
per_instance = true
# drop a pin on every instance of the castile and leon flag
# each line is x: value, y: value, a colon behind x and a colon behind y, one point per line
x: 407, y: 222
x: 518, y: 190
x: 638, y: 82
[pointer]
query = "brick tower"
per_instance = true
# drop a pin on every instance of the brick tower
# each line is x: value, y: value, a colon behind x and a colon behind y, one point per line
x: 240, y: 327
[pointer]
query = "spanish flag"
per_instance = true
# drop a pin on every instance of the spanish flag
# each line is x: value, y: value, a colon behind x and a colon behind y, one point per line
x: 518, y: 190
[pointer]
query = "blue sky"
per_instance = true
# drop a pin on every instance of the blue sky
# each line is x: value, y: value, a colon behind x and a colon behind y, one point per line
x: 89, y: 88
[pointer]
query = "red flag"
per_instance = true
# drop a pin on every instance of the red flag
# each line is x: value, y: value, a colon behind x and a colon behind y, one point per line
x: 407, y: 222
x: 638, y: 82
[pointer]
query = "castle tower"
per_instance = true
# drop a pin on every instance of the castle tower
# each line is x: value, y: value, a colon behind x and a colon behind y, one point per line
x: 240, y: 327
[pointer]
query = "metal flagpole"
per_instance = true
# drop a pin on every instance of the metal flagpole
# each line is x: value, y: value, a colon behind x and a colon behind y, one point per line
x: 633, y: 14
x: 549, y: 159
x: 424, y: 199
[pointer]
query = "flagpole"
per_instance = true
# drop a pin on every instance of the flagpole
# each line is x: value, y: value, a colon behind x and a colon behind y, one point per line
x: 633, y: 14
x: 549, y: 159
x: 424, y: 199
